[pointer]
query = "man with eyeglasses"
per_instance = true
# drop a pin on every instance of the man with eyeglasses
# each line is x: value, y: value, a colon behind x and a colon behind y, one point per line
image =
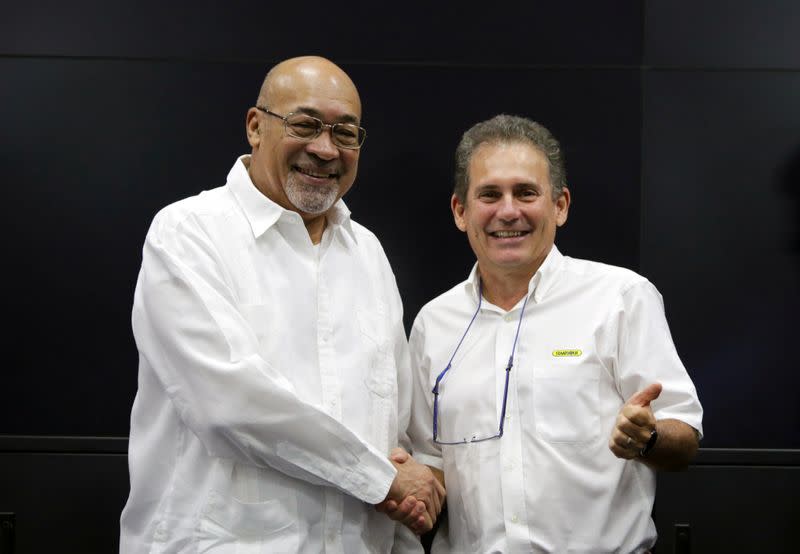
x: 274, y: 376
x: 547, y: 388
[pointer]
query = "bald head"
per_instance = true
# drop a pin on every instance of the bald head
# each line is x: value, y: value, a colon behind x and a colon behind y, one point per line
x: 306, y: 175
x: 312, y: 73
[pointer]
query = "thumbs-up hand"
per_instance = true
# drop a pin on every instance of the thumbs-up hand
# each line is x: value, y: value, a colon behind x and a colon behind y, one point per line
x: 634, y: 424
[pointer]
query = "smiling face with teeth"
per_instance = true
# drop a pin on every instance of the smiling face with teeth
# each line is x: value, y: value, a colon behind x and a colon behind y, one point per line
x: 509, y: 213
x: 307, y: 177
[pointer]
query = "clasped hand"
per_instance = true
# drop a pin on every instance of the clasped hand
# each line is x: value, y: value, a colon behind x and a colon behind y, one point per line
x: 416, y: 496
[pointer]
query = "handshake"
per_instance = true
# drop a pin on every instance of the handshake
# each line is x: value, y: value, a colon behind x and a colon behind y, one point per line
x: 417, y: 493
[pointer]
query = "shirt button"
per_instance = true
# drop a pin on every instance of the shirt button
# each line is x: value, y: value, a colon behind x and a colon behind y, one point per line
x: 161, y: 533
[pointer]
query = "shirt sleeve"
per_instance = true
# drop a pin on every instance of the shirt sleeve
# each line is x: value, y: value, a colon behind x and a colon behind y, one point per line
x: 647, y: 354
x: 404, y: 384
x: 420, y: 428
x: 190, y: 330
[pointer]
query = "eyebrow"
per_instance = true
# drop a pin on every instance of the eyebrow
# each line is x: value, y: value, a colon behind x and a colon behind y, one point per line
x: 346, y: 118
x: 515, y: 186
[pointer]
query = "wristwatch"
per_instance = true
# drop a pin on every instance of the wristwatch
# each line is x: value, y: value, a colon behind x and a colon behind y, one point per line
x: 651, y: 442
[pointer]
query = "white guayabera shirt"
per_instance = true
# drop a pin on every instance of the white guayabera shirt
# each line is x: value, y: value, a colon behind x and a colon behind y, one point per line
x: 273, y: 381
x: 591, y: 336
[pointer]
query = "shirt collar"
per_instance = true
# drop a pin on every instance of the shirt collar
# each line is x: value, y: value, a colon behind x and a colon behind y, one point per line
x: 541, y: 282
x: 262, y: 213
x: 547, y: 274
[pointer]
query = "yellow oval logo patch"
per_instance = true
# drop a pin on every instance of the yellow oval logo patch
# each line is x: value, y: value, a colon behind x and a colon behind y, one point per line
x: 567, y: 353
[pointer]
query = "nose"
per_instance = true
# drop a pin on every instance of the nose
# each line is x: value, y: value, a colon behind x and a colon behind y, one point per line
x: 322, y: 146
x: 507, y: 208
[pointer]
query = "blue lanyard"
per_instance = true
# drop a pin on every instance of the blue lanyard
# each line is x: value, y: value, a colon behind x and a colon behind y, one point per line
x: 449, y: 363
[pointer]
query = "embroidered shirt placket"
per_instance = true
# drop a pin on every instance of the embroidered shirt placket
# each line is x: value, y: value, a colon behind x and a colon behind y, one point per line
x: 331, y: 391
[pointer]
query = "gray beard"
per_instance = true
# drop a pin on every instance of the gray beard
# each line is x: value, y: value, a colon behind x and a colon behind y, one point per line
x: 311, y: 199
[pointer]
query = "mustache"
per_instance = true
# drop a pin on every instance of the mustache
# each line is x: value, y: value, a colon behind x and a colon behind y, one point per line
x: 319, y: 165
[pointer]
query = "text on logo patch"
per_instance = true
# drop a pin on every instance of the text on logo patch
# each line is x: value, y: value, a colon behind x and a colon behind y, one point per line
x: 567, y: 353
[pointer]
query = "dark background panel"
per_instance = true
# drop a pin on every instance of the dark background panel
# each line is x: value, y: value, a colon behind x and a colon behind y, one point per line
x: 538, y: 32
x: 62, y: 502
x: 98, y: 146
x: 722, y: 33
x: 721, y: 239
x: 91, y: 150
x: 747, y: 509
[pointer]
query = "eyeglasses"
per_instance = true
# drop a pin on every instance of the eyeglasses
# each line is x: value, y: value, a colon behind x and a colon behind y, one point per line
x: 307, y: 128
x: 436, y: 393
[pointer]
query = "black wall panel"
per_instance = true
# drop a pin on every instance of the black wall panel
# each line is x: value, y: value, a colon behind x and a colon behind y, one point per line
x: 721, y: 238
x: 716, y: 34
x: 91, y: 150
x: 64, y: 502
x: 518, y: 32
x: 746, y: 509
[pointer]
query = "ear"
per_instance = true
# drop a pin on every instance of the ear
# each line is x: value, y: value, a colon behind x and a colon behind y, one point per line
x: 458, y: 213
x: 562, y: 207
x: 251, y: 127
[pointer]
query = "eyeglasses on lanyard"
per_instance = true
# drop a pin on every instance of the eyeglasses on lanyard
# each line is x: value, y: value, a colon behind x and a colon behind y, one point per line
x: 436, y: 393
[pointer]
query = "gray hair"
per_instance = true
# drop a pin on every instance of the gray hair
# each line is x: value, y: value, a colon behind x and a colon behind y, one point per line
x: 503, y: 129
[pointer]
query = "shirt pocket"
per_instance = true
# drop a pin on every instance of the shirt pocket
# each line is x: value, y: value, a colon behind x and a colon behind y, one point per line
x: 377, y: 348
x: 230, y: 526
x: 566, y: 400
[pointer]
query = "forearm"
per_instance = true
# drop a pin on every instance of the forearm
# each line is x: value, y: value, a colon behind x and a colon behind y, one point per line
x: 676, y: 446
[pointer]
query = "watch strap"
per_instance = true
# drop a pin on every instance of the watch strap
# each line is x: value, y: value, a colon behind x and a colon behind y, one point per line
x: 651, y: 442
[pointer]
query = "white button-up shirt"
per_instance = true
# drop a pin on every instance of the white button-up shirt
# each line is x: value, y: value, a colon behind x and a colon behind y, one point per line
x: 273, y: 381
x: 591, y: 336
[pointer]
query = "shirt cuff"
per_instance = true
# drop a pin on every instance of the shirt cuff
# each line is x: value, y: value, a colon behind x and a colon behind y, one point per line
x: 373, y: 484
